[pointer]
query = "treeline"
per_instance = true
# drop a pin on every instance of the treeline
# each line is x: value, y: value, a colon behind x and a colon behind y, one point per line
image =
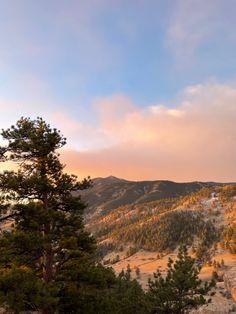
x: 164, y: 233
x: 169, y: 231
x: 128, y: 215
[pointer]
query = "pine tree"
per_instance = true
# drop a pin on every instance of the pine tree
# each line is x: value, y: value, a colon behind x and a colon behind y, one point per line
x: 181, y: 290
x: 47, y: 249
x: 137, y: 271
x: 47, y: 260
x: 129, y: 296
x: 128, y: 272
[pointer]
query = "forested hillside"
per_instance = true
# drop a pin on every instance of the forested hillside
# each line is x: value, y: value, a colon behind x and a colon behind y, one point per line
x: 198, y: 219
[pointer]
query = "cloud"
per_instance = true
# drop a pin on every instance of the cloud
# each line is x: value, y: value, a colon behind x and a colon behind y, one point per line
x: 193, y: 23
x: 80, y: 135
x: 194, y: 140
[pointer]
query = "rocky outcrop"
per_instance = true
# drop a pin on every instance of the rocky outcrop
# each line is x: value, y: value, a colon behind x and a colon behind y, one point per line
x: 219, y: 305
x: 230, y: 281
x: 221, y: 302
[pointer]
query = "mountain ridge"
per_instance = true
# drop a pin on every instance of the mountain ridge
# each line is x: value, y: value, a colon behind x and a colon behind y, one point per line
x: 111, y: 192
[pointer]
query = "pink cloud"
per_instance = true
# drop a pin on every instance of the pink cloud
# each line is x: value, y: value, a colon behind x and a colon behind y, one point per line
x: 195, y: 140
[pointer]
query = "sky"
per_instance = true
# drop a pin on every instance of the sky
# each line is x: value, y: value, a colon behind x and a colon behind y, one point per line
x: 142, y: 89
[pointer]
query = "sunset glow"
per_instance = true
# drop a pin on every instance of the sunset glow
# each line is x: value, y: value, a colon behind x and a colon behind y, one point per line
x: 142, y: 90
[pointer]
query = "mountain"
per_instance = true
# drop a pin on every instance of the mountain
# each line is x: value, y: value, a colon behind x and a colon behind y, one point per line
x: 157, y: 215
x: 143, y: 223
x: 199, y: 219
x: 107, y: 180
x: 111, y: 192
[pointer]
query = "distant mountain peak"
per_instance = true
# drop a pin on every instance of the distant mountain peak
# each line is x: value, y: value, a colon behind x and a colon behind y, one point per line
x: 107, y: 180
x: 112, y: 178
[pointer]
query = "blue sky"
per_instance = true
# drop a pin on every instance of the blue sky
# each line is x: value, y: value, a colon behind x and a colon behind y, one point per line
x: 68, y: 60
x: 85, y: 49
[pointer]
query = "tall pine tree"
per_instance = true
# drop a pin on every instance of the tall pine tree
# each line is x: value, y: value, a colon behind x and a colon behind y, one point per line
x: 46, y: 251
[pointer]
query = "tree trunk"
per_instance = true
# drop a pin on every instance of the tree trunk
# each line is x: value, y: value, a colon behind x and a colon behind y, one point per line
x: 48, y: 258
x: 48, y: 265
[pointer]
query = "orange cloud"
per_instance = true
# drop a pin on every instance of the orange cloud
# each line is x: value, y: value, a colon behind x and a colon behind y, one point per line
x: 195, y: 140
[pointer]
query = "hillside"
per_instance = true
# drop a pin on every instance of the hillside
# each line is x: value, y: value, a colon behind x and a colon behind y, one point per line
x: 145, y: 233
x: 157, y: 215
x: 195, y: 219
x: 110, y: 193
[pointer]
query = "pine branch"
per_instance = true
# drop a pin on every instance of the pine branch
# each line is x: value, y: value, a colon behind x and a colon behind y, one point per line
x: 10, y: 216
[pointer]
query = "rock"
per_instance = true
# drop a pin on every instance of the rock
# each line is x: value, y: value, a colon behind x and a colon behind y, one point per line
x: 212, y: 310
x: 230, y: 281
x: 219, y: 305
x: 220, y: 285
x: 222, y: 303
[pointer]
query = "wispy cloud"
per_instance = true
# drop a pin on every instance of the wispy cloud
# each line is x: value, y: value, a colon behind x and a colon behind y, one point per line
x: 192, y: 23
